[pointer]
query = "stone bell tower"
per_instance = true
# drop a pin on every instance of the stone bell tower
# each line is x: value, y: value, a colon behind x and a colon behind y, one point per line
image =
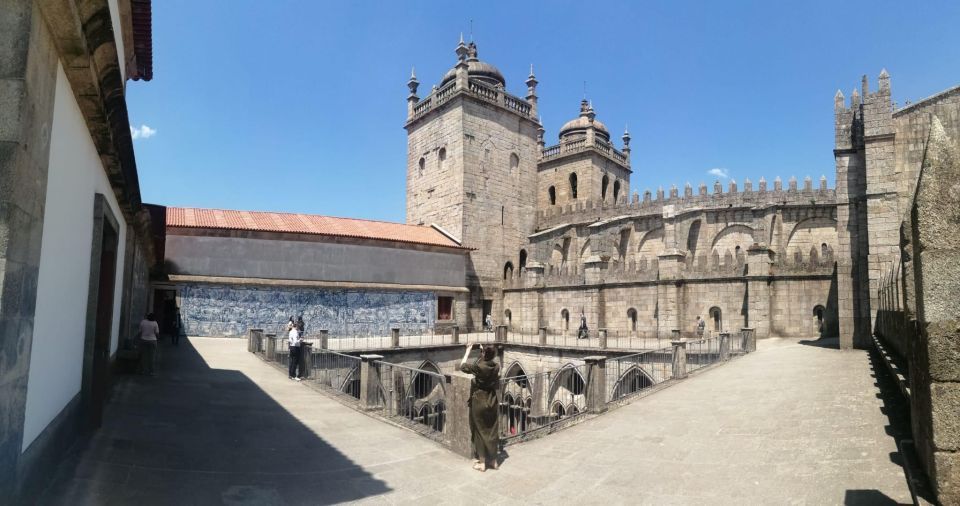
x: 472, y: 169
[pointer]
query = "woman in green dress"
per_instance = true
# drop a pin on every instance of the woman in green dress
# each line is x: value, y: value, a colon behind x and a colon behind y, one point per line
x: 484, y: 426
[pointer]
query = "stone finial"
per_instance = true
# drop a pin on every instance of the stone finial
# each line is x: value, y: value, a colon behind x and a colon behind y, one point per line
x: 884, y: 81
x: 461, y: 49
x: 792, y: 183
x: 660, y: 194
x: 413, y: 84
x: 626, y: 139
x: 762, y: 184
x: 865, y: 85
x: 854, y: 99
x: 838, y: 100
x: 747, y: 185
x: 646, y: 196
x: 687, y: 190
x: 636, y: 197
x: 531, y: 84
x: 717, y: 187
x: 733, y: 186
x: 807, y: 184
x: 673, y: 192
x: 823, y: 183
x: 702, y: 189
x: 777, y: 184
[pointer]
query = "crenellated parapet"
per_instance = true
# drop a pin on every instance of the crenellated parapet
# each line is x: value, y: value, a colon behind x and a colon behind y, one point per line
x: 593, y: 210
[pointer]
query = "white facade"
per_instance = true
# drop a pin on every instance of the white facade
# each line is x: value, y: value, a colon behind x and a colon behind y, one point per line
x: 74, y: 177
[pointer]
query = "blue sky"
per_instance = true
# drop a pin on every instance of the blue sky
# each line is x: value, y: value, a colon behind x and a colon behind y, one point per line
x: 299, y: 105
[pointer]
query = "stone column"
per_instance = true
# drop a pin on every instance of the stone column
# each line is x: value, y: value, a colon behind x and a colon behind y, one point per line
x: 669, y: 294
x: 596, y: 393
x: 455, y: 332
x: 679, y: 359
x: 543, y: 336
x: 501, y: 335
x: 394, y: 338
x: 456, y: 427
x: 324, y: 339
x: 594, y: 268
x: 724, y: 346
x: 758, y: 288
x: 369, y: 382
x: 749, y: 340
x: 271, y: 347
x: 603, y: 339
x: 306, y: 360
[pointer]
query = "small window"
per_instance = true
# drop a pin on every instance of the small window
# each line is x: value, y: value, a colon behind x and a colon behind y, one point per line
x: 616, y: 190
x: 523, y: 259
x: 573, y: 185
x: 508, y: 317
x: 444, y: 308
x: 717, y: 318
x: 553, y: 195
x: 818, y: 315
x: 632, y: 317
x: 514, y: 161
x: 422, y: 164
x: 441, y: 156
x: 565, y: 319
x: 603, y: 187
x: 508, y: 270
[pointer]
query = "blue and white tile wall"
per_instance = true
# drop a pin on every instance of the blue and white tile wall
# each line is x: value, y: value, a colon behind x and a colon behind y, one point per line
x: 229, y: 310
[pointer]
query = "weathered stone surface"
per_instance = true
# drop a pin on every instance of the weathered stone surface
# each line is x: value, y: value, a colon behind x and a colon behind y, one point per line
x: 945, y: 401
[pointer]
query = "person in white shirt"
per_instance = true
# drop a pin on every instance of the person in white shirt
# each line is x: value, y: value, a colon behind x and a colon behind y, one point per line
x: 149, y: 330
x: 295, y: 341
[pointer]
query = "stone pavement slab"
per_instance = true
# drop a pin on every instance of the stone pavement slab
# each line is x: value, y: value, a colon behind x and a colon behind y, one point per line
x: 790, y: 424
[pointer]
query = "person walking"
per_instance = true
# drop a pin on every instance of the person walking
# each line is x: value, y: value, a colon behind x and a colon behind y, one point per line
x: 484, y: 422
x: 583, y: 332
x: 294, y: 340
x: 149, y: 330
x: 701, y: 325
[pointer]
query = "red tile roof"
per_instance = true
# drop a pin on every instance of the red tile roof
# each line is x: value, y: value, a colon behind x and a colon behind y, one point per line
x: 188, y: 217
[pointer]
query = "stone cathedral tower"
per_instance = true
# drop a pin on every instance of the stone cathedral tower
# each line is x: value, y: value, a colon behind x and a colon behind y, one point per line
x: 472, y: 170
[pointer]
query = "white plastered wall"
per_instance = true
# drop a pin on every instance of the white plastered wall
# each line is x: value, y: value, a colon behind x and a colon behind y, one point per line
x: 74, y: 176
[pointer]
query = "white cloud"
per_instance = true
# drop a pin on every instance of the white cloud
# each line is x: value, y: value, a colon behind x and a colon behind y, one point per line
x: 719, y: 172
x: 143, y: 132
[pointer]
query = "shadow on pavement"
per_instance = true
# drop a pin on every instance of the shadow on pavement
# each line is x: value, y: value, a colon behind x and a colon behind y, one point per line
x: 832, y: 343
x: 867, y: 498
x: 197, y: 435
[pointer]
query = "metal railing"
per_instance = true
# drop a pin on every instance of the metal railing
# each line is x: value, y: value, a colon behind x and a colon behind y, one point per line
x: 416, y: 397
x: 337, y: 372
x: 630, y: 375
x: 702, y: 353
x: 536, y: 402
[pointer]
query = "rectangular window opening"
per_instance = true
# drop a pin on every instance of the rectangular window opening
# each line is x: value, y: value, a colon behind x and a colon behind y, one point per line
x: 444, y: 308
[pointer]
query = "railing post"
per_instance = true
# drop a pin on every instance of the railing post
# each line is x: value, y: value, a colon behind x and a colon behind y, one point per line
x: 603, y: 339
x: 271, y: 346
x: 324, y: 339
x: 501, y: 335
x: 543, y: 336
x: 394, y: 338
x: 724, y: 346
x: 596, y: 384
x: 749, y: 339
x: 679, y: 358
x: 456, y: 427
x: 306, y: 360
x: 456, y: 334
x: 369, y: 382
x: 676, y: 335
x: 253, y: 340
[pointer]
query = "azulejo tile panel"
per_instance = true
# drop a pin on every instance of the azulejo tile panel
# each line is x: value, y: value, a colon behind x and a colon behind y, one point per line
x: 229, y: 310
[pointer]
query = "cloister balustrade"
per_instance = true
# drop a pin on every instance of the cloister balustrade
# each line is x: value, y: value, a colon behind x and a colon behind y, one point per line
x: 531, y: 404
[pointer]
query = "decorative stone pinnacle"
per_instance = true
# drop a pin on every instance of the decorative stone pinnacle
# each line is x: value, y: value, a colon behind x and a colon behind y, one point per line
x: 884, y: 74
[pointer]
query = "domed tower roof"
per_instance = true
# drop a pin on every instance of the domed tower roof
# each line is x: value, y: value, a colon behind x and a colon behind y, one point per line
x: 579, y: 125
x: 476, y: 69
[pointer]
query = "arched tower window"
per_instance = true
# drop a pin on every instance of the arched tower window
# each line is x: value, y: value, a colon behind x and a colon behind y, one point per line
x: 523, y: 260
x: 508, y: 270
x: 553, y: 195
x: 565, y: 319
x: 573, y: 185
x: 616, y: 190
x: 717, y: 316
x: 632, y: 317
x: 818, y: 314
x: 603, y: 187
x: 508, y: 317
x: 422, y: 164
x: 441, y: 156
x: 514, y: 161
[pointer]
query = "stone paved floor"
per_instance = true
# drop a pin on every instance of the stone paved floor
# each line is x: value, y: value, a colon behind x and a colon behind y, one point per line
x: 790, y: 424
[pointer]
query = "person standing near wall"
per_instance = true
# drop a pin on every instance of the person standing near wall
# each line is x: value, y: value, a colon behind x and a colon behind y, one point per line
x: 484, y: 421
x: 149, y: 330
x: 295, y: 340
x: 583, y: 332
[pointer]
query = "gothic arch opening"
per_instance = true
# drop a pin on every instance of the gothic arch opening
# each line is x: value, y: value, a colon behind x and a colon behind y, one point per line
x: 717, y: 317
x: 603, y: 187
x: 819, y: 315
x: 523, y: 260
x: 632, y: 319
x: 616, y: 190
x: 573, y: 185
x: 565, y: 319
x: 508, y: 318
x: 508, y: 270
x: 422, y: 164
x: 632, y: 381
x: 552, y: 193
x: 693, y: 237
x: 441, y: 157
x: 514, y: 161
